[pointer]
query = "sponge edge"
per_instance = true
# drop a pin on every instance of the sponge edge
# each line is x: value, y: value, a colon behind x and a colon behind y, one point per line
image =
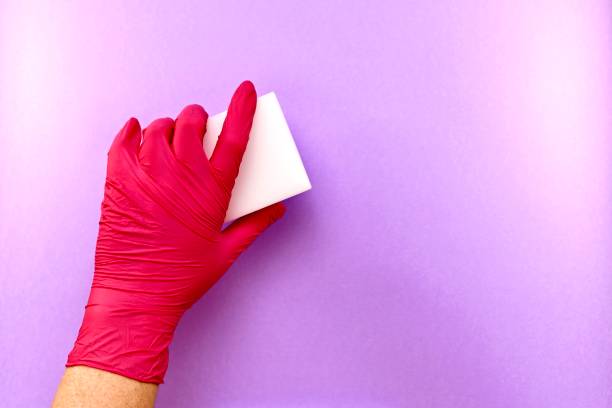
x: 271, y: 169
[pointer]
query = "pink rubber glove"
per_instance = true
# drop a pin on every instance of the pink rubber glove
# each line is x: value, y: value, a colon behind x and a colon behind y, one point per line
x: 160, y: 245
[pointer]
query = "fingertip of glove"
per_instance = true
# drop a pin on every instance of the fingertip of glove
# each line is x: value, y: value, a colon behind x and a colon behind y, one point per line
x: 128, y: 136
x: 277, y: 211
x: 245, y: 95
x: 161, y: 126
x: 247, y: 87
x: 131, y: 125
x: 192, y: 112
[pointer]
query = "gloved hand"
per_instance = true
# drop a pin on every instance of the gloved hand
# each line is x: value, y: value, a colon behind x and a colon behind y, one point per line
x: 160, y: 244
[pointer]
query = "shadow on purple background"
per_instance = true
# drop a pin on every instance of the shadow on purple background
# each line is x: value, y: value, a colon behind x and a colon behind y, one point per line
x: 454, y: 250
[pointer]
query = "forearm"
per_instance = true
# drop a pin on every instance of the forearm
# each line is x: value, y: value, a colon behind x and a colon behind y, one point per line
x: 89, y: 387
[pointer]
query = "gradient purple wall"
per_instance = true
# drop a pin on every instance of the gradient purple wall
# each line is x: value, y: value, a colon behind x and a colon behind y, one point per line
x: 454, y: 251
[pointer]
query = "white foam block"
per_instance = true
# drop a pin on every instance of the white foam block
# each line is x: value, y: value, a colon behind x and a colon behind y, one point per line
x: 271, y: 168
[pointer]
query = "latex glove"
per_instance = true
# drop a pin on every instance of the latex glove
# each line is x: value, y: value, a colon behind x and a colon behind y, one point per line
x: 160, y: 244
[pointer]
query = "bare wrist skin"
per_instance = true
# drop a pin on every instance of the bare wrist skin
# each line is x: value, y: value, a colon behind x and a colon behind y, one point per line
x: 86, y: 387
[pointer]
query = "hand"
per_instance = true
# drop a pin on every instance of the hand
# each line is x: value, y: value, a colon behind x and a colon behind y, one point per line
x: 160, y: 244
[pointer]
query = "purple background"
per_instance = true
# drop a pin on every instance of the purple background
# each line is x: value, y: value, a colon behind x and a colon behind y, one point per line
x: 454, y: 251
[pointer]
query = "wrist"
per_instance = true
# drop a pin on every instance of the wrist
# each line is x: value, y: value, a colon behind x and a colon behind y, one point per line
x: 122, y: 339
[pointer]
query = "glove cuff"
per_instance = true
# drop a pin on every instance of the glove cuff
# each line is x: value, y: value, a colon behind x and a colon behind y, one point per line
x: 134, y: 345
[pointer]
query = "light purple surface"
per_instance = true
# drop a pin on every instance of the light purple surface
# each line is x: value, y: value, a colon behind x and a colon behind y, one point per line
x: 455, y: 248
